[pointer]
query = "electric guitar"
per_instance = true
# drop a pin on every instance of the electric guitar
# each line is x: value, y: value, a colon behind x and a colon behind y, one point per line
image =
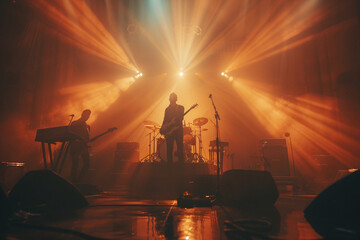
x: 168, y: 128
x: 102, y: 134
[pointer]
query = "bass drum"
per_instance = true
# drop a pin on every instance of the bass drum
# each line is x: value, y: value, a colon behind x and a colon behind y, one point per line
x: 188, y: 138
x: 187, y: 130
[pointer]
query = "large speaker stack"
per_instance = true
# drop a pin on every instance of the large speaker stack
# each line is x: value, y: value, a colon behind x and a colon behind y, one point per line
x: 275, y: 156
x: 276, y: 161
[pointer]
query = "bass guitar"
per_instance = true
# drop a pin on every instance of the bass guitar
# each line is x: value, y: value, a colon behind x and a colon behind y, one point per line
x: 102, y: 134
x: 169, y: 128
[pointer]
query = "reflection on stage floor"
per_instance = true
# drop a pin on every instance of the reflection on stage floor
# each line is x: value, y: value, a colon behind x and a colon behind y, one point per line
x: 114, y: 214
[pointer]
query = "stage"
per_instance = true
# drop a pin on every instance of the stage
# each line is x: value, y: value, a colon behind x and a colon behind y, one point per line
x: 113, y: 214
x: 157, y: 119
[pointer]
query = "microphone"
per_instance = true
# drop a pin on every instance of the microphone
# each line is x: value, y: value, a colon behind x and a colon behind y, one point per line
x: 210, y: 95
x: 72, y: 115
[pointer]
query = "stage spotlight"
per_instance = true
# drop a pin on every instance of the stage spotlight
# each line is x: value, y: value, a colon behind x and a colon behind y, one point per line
x: 181, y: 74
x: 139, y: 74
x: 197, y: 30
x: 132, y: 28
x: 224, y: 75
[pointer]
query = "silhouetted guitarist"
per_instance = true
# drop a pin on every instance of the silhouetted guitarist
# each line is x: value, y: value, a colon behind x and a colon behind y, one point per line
x: 172, y: 128
x: 79, y: 147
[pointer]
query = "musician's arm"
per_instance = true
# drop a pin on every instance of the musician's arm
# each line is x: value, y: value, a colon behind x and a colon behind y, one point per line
x: 182, y: 112
x: 179, y: 116
x: 165, y: 121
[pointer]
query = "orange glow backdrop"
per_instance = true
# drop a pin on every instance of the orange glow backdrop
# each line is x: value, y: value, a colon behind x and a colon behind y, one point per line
x: 291, y: 67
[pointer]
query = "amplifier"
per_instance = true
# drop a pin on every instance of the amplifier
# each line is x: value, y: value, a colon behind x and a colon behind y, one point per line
x: 275, y: 155
x: 126, y: 153
x: 127, y: 146
x: 273, y: 142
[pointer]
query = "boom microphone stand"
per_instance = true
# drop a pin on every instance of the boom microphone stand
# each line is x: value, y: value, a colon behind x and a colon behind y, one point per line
x: 217, y: 117
x: 186, y: 200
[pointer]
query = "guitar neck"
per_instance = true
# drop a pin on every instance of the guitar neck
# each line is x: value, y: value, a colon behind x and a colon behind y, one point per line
x: 98, y: 136
x: 194, y: 106
x: 187, y: 112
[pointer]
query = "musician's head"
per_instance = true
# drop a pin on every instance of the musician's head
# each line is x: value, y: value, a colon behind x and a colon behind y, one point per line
x: 173, y: 98
x: 85, y: 114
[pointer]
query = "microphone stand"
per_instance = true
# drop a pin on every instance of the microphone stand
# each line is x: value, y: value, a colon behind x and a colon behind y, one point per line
x: 71, y: 119
x: 217, y: 117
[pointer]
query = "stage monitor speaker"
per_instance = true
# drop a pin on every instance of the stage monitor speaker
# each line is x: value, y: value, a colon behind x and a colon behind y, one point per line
x: 45, y: 190
x: 201, y: 184
x: 275, y: 156
x: 335, y: 212
x: 248, y: 187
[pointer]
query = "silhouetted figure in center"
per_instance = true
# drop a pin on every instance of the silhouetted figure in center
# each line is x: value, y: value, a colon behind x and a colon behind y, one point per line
x: 172, y: 128
x: 79, y: 148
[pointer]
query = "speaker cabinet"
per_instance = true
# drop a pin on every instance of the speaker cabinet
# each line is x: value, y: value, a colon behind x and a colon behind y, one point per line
x: 126, y: 152
x: 335, y: 212
x: 275, y: 156
x: 45, y: 190
x: 248, y: 187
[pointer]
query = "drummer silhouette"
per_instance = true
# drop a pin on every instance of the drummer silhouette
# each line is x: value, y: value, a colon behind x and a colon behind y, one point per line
x: 172, y: 128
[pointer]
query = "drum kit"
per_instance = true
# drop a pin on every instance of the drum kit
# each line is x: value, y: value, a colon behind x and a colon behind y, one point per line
x: 192, y: 140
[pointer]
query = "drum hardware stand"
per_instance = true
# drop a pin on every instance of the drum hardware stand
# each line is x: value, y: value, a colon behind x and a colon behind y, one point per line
x: 200, y: 146
x: 198, y: 123
x: 149, y: 157
x: 198, y: 157
x: 217, y: 117
x: 152, y: 156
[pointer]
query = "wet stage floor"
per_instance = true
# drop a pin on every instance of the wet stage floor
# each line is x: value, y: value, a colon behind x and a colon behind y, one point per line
x: 114, y: 215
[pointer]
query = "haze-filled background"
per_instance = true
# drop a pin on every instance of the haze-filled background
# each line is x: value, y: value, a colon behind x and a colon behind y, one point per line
x: 288, y: 66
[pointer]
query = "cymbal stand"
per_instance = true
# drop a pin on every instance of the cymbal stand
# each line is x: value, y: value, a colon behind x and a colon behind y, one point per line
x: 147, y: 158
x: 200, y: 146
x: 200, y: 156
x: 154, y: 141
x: 193, y: 150
x: 152, y: 156
x: 149, y: 143
x: 195, y: 146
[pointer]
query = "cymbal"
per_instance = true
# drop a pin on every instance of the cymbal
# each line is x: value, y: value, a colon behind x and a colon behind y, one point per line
x: 200, y: 121
x: 152, y: 127
x: 148, y: 122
